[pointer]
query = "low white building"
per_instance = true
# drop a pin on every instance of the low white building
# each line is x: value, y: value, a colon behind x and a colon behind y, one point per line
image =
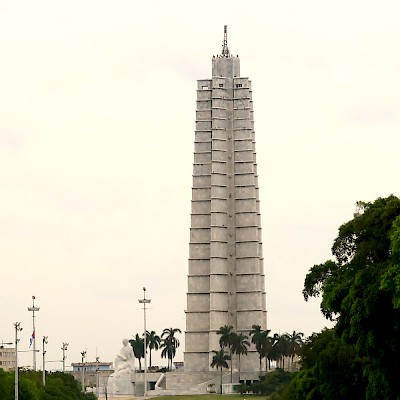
x: 7, y: 357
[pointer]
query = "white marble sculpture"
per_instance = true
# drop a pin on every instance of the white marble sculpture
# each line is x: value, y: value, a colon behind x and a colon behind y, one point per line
x: 120, y: 382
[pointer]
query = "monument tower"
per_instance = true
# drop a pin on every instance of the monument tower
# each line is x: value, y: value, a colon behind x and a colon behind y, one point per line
x: 226, y: 282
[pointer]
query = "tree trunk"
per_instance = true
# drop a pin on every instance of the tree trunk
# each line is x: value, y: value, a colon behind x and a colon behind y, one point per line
x: 239, y: 367
x: 150, y: 357
x: 231, y: 366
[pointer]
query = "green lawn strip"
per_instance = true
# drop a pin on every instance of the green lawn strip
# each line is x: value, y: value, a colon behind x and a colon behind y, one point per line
x: 212, y: 397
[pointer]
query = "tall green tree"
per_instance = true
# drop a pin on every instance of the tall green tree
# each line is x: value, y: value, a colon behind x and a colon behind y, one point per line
x: 169, y: 344
x: 360, y: 288
x: 280, y: 349
x: 6, y: 385
x: 153, y: 342
x: 268, y: 349
x: 391, y: 279
x: 219, y: 360
x: 138, y: 348
x: 225, y: 333
x: 261, y: 340
x: 330, y: 370
x: 226, y: 338
x: 295, y: 341
x: 240, y: 345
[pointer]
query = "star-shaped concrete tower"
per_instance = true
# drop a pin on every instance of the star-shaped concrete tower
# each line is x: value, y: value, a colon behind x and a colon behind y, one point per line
x: 226, y: 282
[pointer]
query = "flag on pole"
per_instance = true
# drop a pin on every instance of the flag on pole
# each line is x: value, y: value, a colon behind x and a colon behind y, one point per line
x: 31, y: 339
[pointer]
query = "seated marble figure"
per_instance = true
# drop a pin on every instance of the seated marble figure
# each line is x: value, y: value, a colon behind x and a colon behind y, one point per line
x: 124, y: 362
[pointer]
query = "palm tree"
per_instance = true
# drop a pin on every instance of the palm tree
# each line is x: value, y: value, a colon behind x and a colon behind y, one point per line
x: 169, y: 344
x: 274, y: 353
x: 280, y: 348
x: 240, y: 345
x: 226, y: 336
x: 295, y: 341
x: 268, y: 344
x: 138, y: 348
x: 168, y: 351
x: 219, y: 360
x: 226, y: 339
x: 260, y: 338
x: 153, y: 341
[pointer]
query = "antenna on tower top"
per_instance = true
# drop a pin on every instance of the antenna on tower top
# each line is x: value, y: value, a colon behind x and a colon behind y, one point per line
x: 225, y: 50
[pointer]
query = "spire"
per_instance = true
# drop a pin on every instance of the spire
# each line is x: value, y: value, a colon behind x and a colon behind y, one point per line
x: 225, y: 50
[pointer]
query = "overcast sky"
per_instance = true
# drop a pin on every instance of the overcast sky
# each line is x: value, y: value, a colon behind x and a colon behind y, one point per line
x: 97, y: 110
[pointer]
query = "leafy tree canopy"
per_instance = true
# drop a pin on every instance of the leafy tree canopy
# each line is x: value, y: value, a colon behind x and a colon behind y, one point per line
x: 58, y: 386
x: 360, y: 289
x: 330, y: 370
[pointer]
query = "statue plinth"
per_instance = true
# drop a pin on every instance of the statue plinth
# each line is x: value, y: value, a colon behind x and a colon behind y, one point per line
x: 121, y: 384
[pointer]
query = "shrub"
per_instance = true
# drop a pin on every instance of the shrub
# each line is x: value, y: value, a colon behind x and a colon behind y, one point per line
x: 242, y: 388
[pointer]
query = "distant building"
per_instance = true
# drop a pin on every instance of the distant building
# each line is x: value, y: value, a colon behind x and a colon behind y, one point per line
x: 7, y: 358
x: 178, y: 364
x: 93, y: 371
x: 92, y: 366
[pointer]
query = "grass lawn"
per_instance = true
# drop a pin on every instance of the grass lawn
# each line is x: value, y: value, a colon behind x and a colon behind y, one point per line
x: 212, y: 397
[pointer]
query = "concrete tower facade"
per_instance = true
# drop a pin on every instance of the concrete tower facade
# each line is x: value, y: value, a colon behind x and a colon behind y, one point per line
x: 226, y: 282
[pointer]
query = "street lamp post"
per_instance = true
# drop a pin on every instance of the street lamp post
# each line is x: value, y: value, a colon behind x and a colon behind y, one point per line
x: 17, y: 326
x: 33, y: 338
x: 144, y: 301
x: 44, y: 362
x: 83, y: 354
x: 97, y: 376
x: 64, y: 349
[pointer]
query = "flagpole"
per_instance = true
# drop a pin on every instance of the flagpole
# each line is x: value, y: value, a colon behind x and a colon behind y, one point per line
x: 33, y: 337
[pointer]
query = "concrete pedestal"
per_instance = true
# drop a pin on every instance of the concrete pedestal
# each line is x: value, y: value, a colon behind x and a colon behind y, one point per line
x: 120, y: 384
